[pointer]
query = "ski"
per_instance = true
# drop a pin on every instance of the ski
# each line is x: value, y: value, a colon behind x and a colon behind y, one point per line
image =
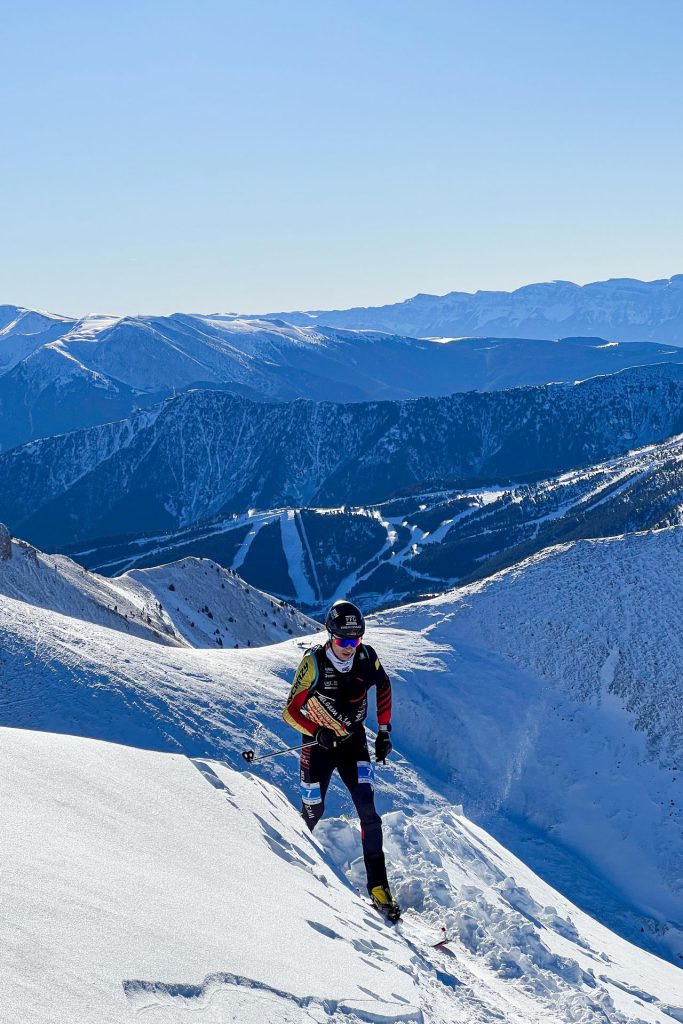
x: 442, y: 944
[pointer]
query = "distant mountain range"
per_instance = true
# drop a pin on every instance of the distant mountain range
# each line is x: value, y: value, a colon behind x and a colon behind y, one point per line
x: 58, y: 374
x: 206, y: 456
x: 621, y: 309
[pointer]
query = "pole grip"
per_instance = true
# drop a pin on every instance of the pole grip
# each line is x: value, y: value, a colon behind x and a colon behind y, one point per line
x: 248, y: 755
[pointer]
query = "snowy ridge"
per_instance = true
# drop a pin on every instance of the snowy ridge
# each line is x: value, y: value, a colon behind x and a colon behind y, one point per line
x: 212, y: 605
x: 193, y: 602
x: 22, y: 331
x: 55, y: 582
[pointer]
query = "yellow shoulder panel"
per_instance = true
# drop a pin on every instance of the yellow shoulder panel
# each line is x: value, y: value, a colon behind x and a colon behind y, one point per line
x: 305, y: 676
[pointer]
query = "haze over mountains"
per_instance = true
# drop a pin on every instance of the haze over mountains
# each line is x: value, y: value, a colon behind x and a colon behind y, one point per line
x: 621, y: 309
x: 217, y: 435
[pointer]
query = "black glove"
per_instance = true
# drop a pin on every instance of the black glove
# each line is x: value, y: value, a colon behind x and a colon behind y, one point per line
x: 383, y: 745
x: 325, y: 738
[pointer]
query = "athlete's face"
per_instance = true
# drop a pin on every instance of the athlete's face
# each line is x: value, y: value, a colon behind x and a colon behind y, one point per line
x: 343, y: 653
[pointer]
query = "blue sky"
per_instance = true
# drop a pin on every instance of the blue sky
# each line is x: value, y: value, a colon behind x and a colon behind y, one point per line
x: 266, y: 155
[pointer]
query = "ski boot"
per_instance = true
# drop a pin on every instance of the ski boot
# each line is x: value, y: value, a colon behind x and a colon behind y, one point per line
x: 383, y: 901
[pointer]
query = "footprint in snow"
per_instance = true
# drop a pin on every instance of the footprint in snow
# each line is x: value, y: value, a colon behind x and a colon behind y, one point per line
x: 213, y: 779
x: 323, y: 929
x: 282, y: 847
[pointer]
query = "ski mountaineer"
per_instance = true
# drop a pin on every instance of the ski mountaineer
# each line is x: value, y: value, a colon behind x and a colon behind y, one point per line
x: 328, y: 703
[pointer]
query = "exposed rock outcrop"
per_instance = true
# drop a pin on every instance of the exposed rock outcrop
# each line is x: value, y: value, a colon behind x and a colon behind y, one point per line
x: 5, y: 543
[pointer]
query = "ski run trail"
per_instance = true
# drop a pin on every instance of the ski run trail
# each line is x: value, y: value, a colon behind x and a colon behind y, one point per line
x: 147, y: 874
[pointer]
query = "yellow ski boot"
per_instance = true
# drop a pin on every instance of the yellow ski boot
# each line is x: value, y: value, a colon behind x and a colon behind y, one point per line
x: 383, y: 901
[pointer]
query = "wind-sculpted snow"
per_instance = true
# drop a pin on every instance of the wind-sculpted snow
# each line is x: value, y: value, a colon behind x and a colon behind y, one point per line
x: 209, y: 453
x: 623, y: 309
x: 591, y: 744
x: 134, y: 888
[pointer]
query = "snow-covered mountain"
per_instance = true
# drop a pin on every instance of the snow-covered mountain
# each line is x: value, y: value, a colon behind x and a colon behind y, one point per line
x: 58, y: 375
x: 422, y: 542
x: 209, y: 605
x: 547, y: 697
x: 621, y: 309
x: 22, y: 331
x: 207, y: 454
x: 589, y: 746
x: 192, y: 602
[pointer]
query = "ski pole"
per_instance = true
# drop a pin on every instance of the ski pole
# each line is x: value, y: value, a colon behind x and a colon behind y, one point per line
x: 248, y: 755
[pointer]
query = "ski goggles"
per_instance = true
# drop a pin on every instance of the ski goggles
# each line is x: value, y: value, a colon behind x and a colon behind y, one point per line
x: 346, y: 641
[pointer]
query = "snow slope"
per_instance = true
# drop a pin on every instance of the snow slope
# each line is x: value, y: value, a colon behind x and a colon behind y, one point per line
x: 141, y: 885
x: 503, y: 700
x: 212, y: 605
x: 144, y: 885
x: 58, y: 583
x: 192, y: 602
x: 566, y: 700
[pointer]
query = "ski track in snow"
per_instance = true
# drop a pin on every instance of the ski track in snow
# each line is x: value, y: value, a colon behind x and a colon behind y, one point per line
x: 292, y: 530
x: 250, y: 999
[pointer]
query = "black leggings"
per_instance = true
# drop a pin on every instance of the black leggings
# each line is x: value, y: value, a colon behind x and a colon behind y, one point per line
x: 352, y: 761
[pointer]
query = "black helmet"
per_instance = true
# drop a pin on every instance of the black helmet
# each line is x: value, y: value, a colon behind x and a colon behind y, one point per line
x: 345, y: 620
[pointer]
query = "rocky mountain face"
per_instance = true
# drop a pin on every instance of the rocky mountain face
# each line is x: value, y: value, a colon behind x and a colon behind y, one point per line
x: 5, y: 543
x: 58, y: 375
x: 209, y: 454
x: 620, y: 309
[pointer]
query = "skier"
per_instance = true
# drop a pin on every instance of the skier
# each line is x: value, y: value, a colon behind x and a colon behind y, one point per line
x: 328, y: 703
